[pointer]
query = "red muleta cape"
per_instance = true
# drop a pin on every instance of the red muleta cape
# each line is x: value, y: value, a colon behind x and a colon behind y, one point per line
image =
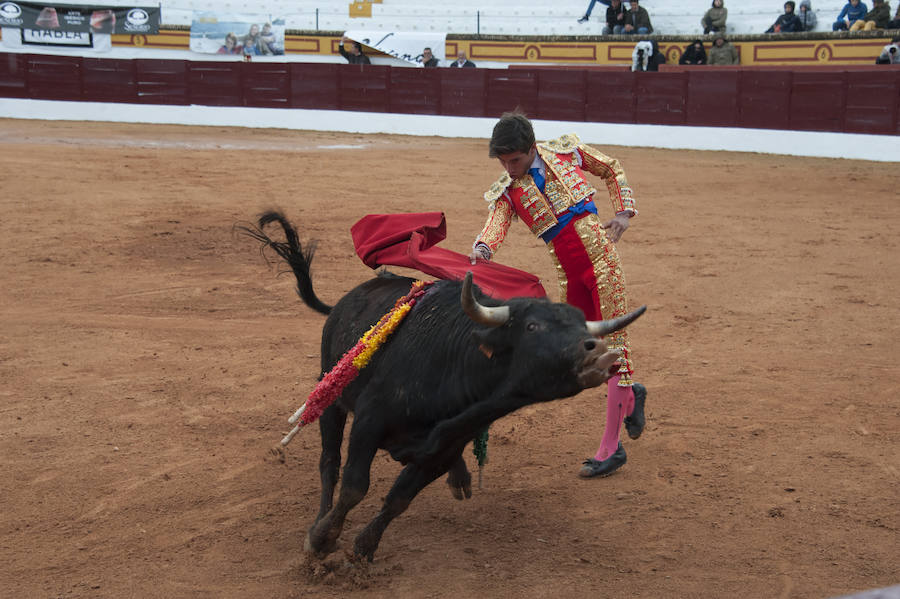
x: 409, y: 240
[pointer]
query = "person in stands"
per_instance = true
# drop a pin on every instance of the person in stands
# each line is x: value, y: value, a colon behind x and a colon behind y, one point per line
x: 461, y: 61
x: 355, y: 55
x: 895, y: 22
x: 853, y: 11
x: 787, y: 22
x: 694, y: 54
x: 807, y: 15
x: 587, y: 13
x: 877, y: 18
x: 428, y: 59
x: 715, y: 17
x: 615, y: 18
x: 637, y: 20
x: 723, y: 52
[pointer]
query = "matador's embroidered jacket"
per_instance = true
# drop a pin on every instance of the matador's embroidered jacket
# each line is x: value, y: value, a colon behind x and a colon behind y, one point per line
x: 566, y: 159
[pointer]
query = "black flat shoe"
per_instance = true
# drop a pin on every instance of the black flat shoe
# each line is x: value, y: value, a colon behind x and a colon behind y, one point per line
x: 634, y: 424
x: 592, y: 467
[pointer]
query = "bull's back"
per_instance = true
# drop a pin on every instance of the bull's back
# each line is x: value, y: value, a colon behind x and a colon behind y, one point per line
x: 357, y: 311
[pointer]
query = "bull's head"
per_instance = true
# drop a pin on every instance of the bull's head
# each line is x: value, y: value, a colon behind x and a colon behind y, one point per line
x: 556, y: 335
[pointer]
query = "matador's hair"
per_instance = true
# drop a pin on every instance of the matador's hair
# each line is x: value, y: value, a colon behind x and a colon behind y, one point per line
x: 512, y: 133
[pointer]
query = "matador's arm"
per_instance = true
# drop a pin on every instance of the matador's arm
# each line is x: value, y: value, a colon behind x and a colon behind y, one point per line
x: 609, y: 169
x: 495, y: 227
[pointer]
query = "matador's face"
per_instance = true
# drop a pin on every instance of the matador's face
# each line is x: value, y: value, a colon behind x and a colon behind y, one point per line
x: 516, y: 164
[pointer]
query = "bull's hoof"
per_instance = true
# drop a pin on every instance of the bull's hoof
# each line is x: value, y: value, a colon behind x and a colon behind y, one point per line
x: 318, y: 548
x: 634, y: 423
x: 597, y: 468
x: 460, y: 484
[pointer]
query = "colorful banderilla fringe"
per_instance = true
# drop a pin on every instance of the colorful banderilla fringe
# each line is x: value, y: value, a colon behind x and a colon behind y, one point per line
x: 357, y: 357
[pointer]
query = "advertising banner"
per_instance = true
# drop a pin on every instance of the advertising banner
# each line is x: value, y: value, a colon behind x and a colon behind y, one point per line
x: 404, y: 45
x: 237, y: 34
x: 72, y: 18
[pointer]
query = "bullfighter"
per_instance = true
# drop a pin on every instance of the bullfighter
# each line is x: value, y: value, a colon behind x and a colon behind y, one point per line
x: 545, y: 186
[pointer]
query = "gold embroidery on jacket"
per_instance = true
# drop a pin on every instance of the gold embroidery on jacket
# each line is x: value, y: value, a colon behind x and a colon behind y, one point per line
x: 535, y: 204
x: 497, y: 225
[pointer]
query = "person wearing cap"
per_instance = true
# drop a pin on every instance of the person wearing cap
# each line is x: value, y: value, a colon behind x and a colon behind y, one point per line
x: 545, y: 186
x: 723, y: 52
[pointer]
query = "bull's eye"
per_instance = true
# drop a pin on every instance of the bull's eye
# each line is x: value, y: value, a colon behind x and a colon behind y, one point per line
x: 532, y: 326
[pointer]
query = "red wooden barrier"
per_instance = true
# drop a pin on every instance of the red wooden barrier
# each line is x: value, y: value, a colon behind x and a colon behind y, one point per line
x: 864, y: 99
x: 161, y: 81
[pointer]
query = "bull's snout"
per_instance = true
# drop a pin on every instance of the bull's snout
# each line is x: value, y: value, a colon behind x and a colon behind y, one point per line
x: 598, y: 364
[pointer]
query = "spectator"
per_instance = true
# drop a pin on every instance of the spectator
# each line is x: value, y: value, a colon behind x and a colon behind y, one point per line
x: 355, y: 55
x: 694, y: 54
x: 587, y: 14
x: 714, y: 19
x: 788, y: 22
x: 891, y: 52
x: 428, y: 59
x: 895, y: 22
x: 877, y: 18
x: 853, y: 11
x: 807, y: 16
x: 723, y: 52
x: 637, y: 20
x: 462, y: 61
x: 615, y: 18
x: 231, y: 45
x: 646, y: 56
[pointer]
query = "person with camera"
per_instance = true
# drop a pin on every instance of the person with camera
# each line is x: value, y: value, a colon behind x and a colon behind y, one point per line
x: 890, y: 54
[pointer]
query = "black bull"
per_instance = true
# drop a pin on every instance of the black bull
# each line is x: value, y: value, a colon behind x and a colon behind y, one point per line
x: 458, y: 362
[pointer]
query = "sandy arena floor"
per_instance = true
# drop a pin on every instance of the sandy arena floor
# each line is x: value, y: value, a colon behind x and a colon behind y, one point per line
x: 149, y: 359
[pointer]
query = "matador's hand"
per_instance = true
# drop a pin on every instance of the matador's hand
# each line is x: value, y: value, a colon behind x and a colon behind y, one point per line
x: 616, y: 226
x: 480, y: 251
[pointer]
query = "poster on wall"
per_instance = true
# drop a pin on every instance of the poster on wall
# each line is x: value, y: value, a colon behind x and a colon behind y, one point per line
x: 404, y: 45
x: 72, y: 18
x: 237, y: 34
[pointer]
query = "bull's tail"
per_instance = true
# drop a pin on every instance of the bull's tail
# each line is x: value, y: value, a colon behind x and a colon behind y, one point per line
x: 292, y: 252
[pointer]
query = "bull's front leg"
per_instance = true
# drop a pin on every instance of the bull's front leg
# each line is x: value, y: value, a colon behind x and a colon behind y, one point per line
x: 459, y: 480
x: 323, y: 535
x: 465, y: 425
x: 412, y: 479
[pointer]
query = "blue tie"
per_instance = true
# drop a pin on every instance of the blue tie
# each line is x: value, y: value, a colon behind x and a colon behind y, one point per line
x: 538, y: 178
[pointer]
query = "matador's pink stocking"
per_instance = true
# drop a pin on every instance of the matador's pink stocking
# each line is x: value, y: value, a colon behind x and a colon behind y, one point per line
x: 619, y: 404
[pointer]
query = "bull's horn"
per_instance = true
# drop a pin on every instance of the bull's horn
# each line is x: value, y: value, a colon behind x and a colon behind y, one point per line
x: 492, y: 317
x: 602, y: 328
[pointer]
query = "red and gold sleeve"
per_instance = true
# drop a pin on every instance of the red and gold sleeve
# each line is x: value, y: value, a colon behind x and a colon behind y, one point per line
x: 609, y: 169
x: 497, y: 224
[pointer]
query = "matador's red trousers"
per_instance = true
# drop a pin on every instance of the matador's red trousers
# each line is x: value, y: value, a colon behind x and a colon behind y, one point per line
x: 590, y: 277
